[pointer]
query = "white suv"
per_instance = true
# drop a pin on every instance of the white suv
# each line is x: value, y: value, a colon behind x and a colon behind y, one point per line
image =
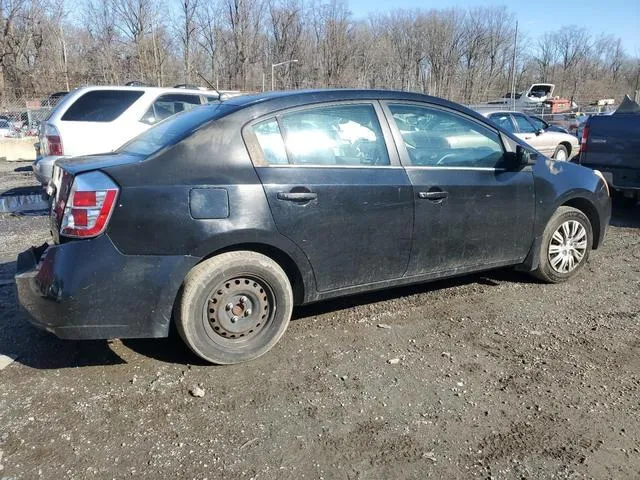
x: 100, y: 119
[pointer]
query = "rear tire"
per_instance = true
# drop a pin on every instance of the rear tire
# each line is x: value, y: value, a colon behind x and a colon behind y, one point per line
x: 565, y: 247
x: 234, y: 307
x: 561, y: 154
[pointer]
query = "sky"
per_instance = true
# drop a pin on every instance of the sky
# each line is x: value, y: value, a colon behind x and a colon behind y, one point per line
x: 616, y: 17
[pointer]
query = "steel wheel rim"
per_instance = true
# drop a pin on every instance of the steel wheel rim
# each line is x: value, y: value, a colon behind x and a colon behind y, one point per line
x: 238, y: 309
x: 561, y: 155
x: 568, y: 246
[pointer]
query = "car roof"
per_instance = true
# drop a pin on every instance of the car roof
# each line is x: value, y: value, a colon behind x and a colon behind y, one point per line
x: 489, y: 111
x: 273, y: 101
x: 143, y: 89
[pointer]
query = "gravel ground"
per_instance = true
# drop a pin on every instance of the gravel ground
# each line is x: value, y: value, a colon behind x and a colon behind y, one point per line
x: 486, y: 376
x: 15, y: 175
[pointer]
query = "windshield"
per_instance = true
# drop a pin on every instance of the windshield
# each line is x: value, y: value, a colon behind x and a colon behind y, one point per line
x: 173, y: 129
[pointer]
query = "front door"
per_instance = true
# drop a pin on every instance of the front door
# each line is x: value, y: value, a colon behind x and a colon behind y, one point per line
x: 470, y: 212
x: 337, y: 191
x: 527, y: 131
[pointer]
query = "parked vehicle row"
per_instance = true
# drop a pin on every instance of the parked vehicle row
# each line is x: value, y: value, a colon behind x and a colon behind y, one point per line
x: 224, y: 217
x: 92, y: 120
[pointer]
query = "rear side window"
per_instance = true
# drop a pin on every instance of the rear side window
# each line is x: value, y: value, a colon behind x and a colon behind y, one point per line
x: 168, y: 105
x: 337, y: 135
x: 174, y: 129
x: 101, y: 105
x: 347, y: 135
x: 271, y: 143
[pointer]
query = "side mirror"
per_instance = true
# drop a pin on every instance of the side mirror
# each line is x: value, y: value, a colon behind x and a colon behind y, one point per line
x: 518, y: 159
x: 540, y: 132
x: 523, y: 156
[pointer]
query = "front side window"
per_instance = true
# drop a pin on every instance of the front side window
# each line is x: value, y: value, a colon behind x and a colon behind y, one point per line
x: 439, y: 138
x: 538, y: 123
x: 168, y: 105
x: 524, y: 125
x: 101, y: 105
x: 503, y: 120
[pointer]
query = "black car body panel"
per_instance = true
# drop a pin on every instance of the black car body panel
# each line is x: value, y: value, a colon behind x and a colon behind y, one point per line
x: 335, y: 230
x: 88, y: 289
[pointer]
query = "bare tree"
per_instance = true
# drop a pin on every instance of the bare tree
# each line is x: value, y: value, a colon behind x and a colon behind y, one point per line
x: 187, y: 32
x: 461, y: 54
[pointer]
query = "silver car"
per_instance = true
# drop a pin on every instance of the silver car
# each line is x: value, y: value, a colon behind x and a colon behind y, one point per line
x: 551, y: 143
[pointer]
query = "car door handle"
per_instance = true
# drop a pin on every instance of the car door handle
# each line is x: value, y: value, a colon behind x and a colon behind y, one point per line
x: 297, y: 196
x: 437, y: 195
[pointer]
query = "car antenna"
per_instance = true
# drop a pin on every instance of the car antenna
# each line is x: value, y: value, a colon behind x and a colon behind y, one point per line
x: 210, y: 85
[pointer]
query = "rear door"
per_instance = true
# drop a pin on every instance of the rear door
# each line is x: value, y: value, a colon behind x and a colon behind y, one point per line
x: 336, y: 190
x: 470, y: 211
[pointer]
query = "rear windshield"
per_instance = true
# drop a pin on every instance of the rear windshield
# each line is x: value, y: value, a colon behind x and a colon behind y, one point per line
x: 101, y: 105
x: 175, y: 128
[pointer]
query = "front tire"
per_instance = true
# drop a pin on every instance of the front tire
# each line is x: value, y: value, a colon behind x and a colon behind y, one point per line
x: 561, y: 154
x: 234, y: 307
x: 565, y: 247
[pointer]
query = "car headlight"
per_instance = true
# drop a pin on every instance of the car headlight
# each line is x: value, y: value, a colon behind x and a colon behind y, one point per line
x: 606, y: 185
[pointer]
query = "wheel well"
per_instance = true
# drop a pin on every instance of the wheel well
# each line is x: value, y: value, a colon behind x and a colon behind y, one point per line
x: 567, y: 145
x: 586, y: 207
x: 281, y: 258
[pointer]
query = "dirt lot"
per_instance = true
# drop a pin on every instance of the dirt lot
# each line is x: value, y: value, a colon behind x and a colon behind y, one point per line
x: 497, y: 377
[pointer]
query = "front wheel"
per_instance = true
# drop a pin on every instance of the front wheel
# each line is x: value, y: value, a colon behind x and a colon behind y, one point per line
x: 561, y: 153
x: 565, y: 247
x: 234, y: 307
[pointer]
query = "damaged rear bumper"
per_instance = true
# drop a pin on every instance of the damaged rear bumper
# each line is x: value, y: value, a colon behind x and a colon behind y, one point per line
x: 89, y: 290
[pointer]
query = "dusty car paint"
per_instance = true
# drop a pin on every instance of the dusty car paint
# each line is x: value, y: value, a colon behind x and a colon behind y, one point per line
x: 367, y: 228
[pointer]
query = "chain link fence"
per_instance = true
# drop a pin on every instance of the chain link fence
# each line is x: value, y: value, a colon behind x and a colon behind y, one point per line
x: 20, y: 120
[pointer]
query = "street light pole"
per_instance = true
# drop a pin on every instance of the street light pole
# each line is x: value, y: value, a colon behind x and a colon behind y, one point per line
x: 274, y: 65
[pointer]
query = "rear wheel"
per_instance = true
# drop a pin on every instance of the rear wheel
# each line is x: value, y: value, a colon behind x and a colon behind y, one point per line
x: 561, y: 153
x: 234, y: 307
x: 565, y: 247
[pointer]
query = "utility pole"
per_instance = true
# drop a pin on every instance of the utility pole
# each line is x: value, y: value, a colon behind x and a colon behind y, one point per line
x: 273, y: 66
x: 513, y: 70
x: 64, y: 58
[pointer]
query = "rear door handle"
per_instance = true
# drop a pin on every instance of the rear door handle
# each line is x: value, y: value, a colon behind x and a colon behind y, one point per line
x: 437, y: 195
x: 300, y: 197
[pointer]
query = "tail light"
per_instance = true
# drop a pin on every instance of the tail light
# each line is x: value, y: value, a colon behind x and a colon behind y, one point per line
x: 91, y: 202
x: 50, y: 141
x: 585, y: 139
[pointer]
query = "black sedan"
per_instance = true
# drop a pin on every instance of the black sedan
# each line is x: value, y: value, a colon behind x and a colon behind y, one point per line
x: 223, y: 218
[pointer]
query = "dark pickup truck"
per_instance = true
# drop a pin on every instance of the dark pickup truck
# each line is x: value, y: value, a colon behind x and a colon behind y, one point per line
x: 611, y: 144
